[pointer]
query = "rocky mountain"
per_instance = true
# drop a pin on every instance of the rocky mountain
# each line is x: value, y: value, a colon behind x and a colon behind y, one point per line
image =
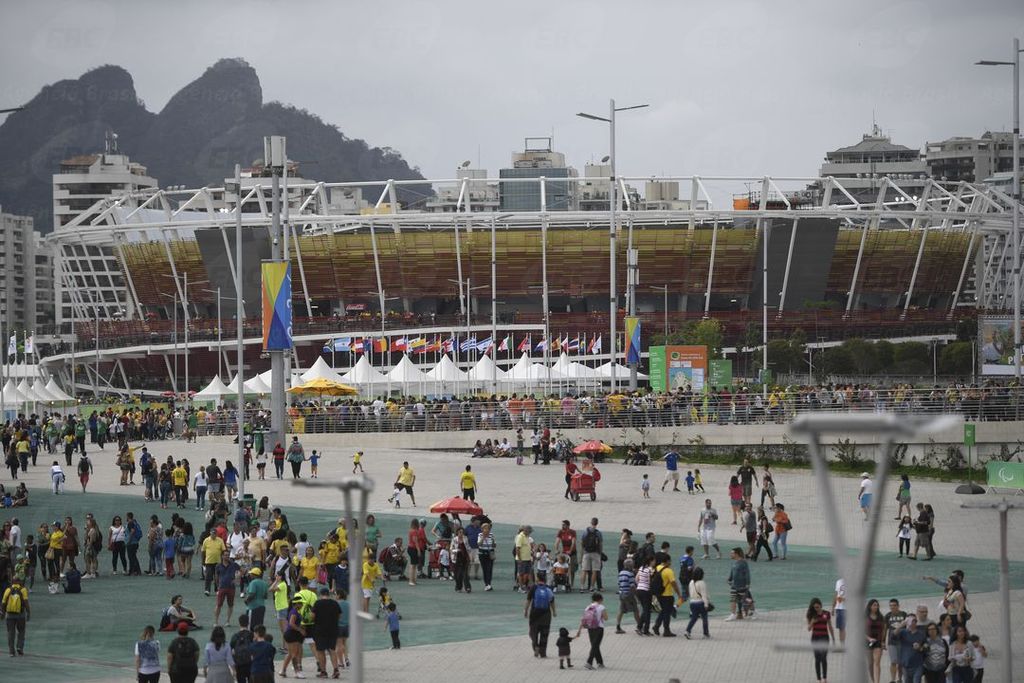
x: 207, y: 127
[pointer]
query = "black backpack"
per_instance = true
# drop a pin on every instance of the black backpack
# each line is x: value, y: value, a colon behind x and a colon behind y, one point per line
x: 590, y: 541
x: 657, y: 581
x: 240, y: 651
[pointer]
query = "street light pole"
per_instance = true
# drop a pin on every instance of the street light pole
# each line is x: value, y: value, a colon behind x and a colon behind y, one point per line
x: 612, y: 206
x: 239, y: 341
x: 1015, y: 193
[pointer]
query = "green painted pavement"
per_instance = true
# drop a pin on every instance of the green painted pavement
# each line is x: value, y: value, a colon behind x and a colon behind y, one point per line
x: 97, y: 629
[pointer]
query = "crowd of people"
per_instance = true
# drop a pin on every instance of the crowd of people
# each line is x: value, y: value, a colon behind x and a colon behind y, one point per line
x: 253, y: 555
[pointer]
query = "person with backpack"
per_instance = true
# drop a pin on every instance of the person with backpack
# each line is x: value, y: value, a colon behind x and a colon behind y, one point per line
x: 593, y: 620
x: 84, y: 470
x: 134, y: 537
x: 539, y: 609
x: 663, y: 586
x: 16, y: 614
x: 593, y: 546
x: 183, y: 657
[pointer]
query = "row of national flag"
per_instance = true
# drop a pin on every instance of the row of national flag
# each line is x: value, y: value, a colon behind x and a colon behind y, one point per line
x: 419, y: 345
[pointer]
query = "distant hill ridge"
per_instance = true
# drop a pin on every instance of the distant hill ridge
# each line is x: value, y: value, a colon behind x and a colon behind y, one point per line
x: 207, y: 127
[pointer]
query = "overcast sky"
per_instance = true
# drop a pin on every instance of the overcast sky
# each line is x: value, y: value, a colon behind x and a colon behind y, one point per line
x: 735, y: 88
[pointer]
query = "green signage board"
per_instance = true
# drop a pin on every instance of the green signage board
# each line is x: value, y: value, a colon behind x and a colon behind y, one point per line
x: 1005, y: 475
x: 656, y: 367
x: 719, y: 374
x: 968, y: 434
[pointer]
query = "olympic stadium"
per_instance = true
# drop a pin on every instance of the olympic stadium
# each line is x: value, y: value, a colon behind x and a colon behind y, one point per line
x: 147, y: 280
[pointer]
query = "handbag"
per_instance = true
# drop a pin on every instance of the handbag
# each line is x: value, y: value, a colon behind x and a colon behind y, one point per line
x: 711, y: 607
x: 49, y: 554
x: 788, y: 526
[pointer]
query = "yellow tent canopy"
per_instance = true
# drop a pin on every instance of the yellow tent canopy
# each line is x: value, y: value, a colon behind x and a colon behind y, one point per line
x: 324, y: 387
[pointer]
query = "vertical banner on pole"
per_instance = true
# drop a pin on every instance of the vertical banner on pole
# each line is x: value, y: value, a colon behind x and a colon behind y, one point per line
x: 632, y: 340
x: 656, y: 368
x: 719, y: 374
x: 277, y: 305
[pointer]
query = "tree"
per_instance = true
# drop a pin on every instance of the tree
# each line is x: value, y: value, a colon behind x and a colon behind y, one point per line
x: 837, y: 360
x: 708, y: 332
x: 957, y: 358
x: 783, y: 356
x: 911, y: 358
x: 863, y: 355
x: 884, y: 352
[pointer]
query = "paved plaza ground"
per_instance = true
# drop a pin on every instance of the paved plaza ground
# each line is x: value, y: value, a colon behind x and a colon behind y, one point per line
x: 88, y: 637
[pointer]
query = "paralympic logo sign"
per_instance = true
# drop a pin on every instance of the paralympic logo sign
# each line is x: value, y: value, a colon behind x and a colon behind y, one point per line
x: 277, y: 305
x: 1006, y: 475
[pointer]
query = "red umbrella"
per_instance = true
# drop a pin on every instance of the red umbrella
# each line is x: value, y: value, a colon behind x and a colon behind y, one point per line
x: 456, y: 505
x: 593, y: 446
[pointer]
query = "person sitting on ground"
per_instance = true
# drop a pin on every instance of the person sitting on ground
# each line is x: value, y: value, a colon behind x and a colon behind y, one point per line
x: 21, y: 496
x: 72, y: 579
x: 177, y: 614
x: 392, y: 558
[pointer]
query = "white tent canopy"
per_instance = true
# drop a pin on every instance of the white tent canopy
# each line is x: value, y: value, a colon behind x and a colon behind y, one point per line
x: 621, y: 372
x: 363, y: 373
x: 56, y: 391
x: 580, y: 371
x: 525, y: 371
x: 486, y: 371
x: 320, y: 370
x: 39, y: 390
x: 11, y: 394
x: 214, y: 390
x: 407, y: 374
x: 447, y: 371
x: 256, y: 385
x: 25, y: 390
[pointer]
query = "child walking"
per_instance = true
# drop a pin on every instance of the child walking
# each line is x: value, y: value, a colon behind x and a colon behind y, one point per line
x: 564, y: 644
x: 904, y: 535
x: 444, y: 561
x: 645, y: 486
x: 357, y: 462
x: 689, y: 482
x: 314, y: 463
x: 698, y: 483
x: 392, y: 626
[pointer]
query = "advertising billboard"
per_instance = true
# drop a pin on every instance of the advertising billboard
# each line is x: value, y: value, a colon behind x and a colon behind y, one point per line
x: 686, y: 366
x: 995, y: 344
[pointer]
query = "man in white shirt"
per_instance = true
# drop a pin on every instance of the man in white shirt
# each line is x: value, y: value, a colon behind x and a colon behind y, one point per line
x: 15, y: 537
x: 236, y: 542
x: 839, y: 609
x: 867, y: 489
x: 706, y: 524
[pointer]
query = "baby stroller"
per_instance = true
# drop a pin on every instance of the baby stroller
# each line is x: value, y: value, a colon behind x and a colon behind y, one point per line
x: 561, y: 580
x: 434, y: 560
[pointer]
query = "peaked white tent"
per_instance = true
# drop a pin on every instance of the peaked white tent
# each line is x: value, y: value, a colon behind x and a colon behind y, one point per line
x: 446, y: 371
x: 579, y: 370
x: 39, y: 390
x: 56, y: 391
x: 363, y: 373
x: 25, y: 390
x: 410, y: 378
x: 486, y: 371
x: 320, y: 370
x: 621, y: 372
x: 256, y: 385
x: 531, y: 373
x: 213, y: 391
x: 11, y: 394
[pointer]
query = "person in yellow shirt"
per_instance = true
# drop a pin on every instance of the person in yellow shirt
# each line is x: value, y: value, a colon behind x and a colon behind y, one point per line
x: 179, y: 479
x: 467, y: 482
x: 332, y: 550
x: 56, y: 550
x: 342, y: 534
x: 357, y: 462
x: 211, y: 550
x: 371, y: 574
x: 406, y: 479
x: 671, y: 586
x: 308, y: 564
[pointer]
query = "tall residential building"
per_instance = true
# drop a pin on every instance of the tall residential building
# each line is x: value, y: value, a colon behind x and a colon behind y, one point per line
x: 861, y: 167
x: 971, y: 159
x: 80, y: 183
x: 26, y: 275
x: 537, y: 160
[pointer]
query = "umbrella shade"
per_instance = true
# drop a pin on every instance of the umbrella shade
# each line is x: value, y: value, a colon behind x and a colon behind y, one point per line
x: 593, y: 447
x: 456, y: 505
x: 324, y: 387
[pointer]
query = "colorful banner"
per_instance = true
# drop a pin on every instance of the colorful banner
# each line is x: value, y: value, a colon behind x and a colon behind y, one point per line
x: 1005, y: 475
x: 277, y: 305
x: 632, y: 340
x: 687, y: 367
x: 995, y: 341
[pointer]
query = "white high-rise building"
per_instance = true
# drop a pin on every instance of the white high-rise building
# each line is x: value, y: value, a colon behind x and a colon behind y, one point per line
x: 26, y: 276
x: 81, y: 182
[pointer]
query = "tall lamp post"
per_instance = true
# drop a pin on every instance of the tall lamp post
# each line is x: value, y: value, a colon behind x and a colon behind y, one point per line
x: 664, y: 290
x: 612, y: 205
x: 1015, y: 63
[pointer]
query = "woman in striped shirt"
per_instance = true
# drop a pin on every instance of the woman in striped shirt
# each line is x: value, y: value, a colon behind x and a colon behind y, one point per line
x: 819, y: 623
x: 643, y: 594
